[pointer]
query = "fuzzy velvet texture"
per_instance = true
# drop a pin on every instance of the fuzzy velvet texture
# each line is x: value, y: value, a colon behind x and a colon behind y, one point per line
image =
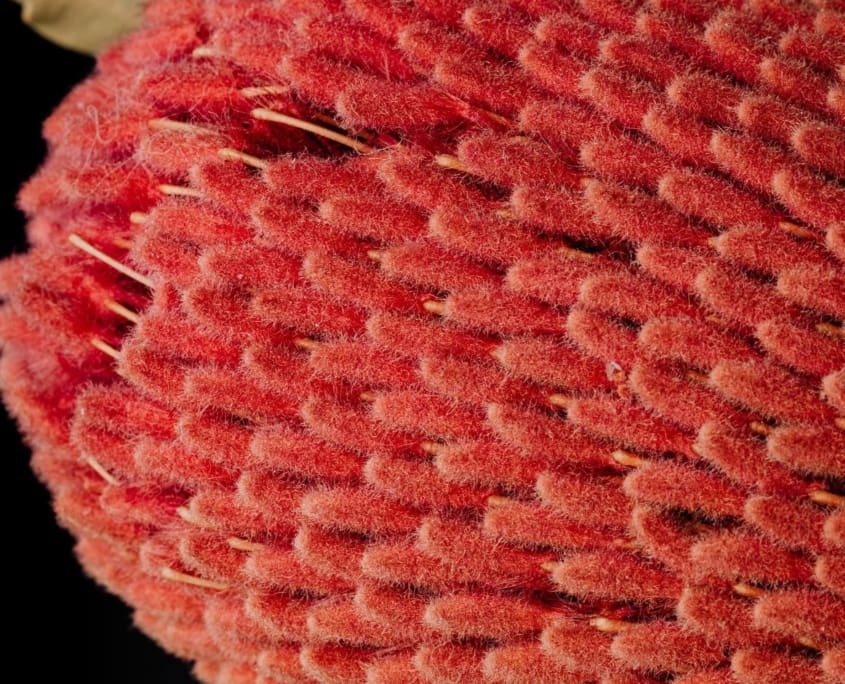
x: 545, y: 385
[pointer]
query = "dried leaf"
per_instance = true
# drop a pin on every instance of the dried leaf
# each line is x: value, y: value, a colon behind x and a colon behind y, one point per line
x: 83, y: 25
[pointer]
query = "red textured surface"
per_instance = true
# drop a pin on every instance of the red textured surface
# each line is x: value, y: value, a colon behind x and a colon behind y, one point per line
x: 545, y: 385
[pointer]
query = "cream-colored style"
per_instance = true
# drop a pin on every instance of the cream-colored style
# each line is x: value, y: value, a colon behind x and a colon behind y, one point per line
x: 83, y: 25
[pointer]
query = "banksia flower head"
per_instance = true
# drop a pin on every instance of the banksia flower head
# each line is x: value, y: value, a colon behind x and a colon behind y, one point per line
x: 437, y: 341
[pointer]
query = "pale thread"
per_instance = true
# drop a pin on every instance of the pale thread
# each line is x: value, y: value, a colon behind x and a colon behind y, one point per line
x: 260, y: 91
x: 178, y: 191
x: 277, y: 117
x: 120, y: 310
x: 123, y: 243
x: 759, y: 428
x: 368, y: 396
x: 204, y: 52
x: 98, y: 468
x: 97, y: 343
x: 747, y: 590
x: 560, y: 400
x: 434, y: 306
x: 186, y: 515
x: 138, y: 218
x: 306, y: 343
x: 181, y: 126
x: 825, y: 498
x: 449, y: 161
x: 626, y: 458
x: 248, y: 159
x: 176, y: 576
x: 796, y: 230
x: 88, y: 248
x: 374, y: 254
x: 609, y: 625
x: 496, y: 501
x: 433, y: 448
x: 839, y: 422
x: 698, y: 376
x: 243, y: 544
x: 573, y: 253
x: 831, y: 329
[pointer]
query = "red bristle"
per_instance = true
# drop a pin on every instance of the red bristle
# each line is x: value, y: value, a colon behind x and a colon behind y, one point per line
x: 334, y: 664
x: 815, y: 287
x: 497, y: 25
x: 720, y: 614
x: 807, y: 614
x: 485, y: 616
x: 737, y: 297
x: 564, y: 124
x: 810, y: 197
x: 626, y: 160
x: 743, y: 556
x: 767, y: 250
x: 410, y: 337
x: 743, y: 458
x: 665, y: 537
x: 576, y: 499
x: 397, y: 610
x: 797, y: 525
x: 660, y: 646
x: 679, y: 133
x: 531, y: 432
x: 706, y: 96
x: 358, y: 510
x: 172, y: 465
x: 489, y: 464
x: 337, y: 620
x: 429, y: 265
x: 555, y: 280
x: 426, y: 414
x: 614, y: 575
x: 769, y: 666
x: 479, y: 556
x: 668, y: 389
x: 809, y: 449
x: 833, y: 389
x: 549, y: 363
x: 629, y: 424
x: 821, y: 145
x: 362, y: 362
x: 489, y: 84
x: 618, y: 95
x: 695, y: 342
x: 146, y: 506
x: 330, y: 554
x: 556, y: 71
x: 275, y: 568
x: 188, y: 640
x: 517, y: 663
x: 632, y: 297
x: 300, y: 308
x: 571, y: 32
x: 676, y: 486
x: 450, y: 662
x: 833, y: 663
x: 509, y: 161
x: 829, y: 573
x: 636, y: 216
x: 355, y: 215
x: 602, y: 338
x: 475, y: 383
x: 579, y: 647
x: 395, y: 668
x: 228, y: 624
x: 769, y: 389
x: 492, y: 311
x: 532, y: 526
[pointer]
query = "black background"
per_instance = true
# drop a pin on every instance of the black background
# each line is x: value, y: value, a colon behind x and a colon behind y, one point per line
x: 77, y: 631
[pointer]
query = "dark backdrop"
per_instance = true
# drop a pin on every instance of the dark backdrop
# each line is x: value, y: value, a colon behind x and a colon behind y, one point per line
x: 63, y: 626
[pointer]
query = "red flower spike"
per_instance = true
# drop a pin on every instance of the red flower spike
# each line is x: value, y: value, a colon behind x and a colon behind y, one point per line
x: 339, y: 368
